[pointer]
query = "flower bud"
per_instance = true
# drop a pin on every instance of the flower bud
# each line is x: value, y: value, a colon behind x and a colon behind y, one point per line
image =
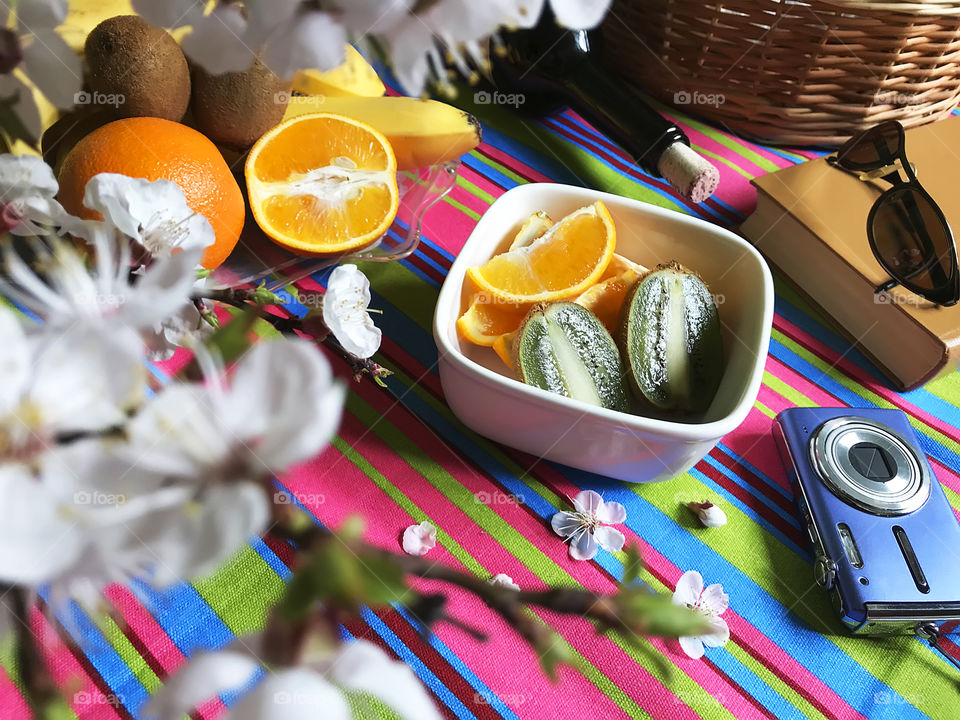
x: 710, y: 515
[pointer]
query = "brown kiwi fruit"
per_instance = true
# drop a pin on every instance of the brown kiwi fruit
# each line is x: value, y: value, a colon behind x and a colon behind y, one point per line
x: 137, y: 69
x: 237, y: 108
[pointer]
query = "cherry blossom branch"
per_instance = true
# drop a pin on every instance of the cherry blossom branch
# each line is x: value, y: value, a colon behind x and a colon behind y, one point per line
x: 632, y: 611
x: 255, y: 299
x: 36, y: 681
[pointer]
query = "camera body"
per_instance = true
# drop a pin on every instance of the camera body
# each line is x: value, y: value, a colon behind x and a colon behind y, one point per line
x: 885, y: 541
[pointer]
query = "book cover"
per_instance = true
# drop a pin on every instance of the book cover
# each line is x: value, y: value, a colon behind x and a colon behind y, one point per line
x: 811, y: 224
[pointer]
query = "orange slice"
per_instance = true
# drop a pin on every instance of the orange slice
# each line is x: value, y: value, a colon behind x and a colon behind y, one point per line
x: 503, y: 346
x: 534, y: 228
x: 323, y: 184
x: 605, y: 299
x: 563, y: 262
x: 484, y: 322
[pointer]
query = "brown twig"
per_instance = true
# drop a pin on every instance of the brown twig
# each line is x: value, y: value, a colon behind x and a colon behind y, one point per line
x: 39, y: 689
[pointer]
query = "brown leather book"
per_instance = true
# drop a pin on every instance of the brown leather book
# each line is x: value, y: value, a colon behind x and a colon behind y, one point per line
x: 811, y: 225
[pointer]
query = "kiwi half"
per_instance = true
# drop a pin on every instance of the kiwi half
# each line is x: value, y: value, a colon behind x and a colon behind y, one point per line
x: 670, y: 338
x: 564, y: 349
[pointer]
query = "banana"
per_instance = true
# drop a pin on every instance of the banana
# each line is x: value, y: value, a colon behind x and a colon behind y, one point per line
x: 354, y: 78
x: 422, y: 132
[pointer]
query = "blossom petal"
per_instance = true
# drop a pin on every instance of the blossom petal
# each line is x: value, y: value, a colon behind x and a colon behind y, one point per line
x: 611, y: 513
x: 688, y: 590
x: 217, y: 42
x: 408, y: 46
x: 503, y: 580
x: 14, y: 361
x: 714, y: 600
x: 719, y: 633
x: 204, y: 677
x: 580, y: 14
x: 37, y: 541
x: 345, y: 311
x: 284, y: 397
x: 692, y: 646
x: 309, y: 40
x: 163, y: 290
x: 25, y: 176
x: 169, y: 13
x: 584, y: 547
x: 419, y: 539
x: 294, y: 694
x: 36, y: 15
x: 87, y: 377
x: 610, y: 539
x: 54, y: 68
x: 363, y: 667
x: 588, y: 502
x: 565, y: 523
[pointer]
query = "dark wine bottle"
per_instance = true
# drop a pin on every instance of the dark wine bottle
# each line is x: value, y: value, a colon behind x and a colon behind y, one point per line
x: 552, y: 67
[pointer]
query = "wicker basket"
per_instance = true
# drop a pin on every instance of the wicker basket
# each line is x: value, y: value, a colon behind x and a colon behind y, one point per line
x: 810, y: 72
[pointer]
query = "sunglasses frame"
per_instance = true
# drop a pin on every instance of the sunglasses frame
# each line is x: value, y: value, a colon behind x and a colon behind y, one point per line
x: 886, y: 168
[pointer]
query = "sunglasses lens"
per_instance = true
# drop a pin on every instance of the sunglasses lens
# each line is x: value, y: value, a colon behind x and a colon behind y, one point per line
x: 913, y: 242
x: 874, y: 148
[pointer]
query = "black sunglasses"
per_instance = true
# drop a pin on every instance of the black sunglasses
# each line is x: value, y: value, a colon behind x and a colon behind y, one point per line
x: 908, y: 232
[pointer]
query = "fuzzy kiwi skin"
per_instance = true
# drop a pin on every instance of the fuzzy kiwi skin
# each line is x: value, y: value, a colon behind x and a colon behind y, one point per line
x: 237, y: 108
x: 142, y: 65
x: 654, y: 393
x: 605, y: 369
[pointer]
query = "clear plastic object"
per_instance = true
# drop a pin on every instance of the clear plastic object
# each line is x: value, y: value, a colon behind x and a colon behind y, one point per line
x: 256, y: 259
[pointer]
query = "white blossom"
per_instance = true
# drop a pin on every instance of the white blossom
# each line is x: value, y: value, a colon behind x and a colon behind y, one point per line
x: 318, y: 688
x: 586, y: 527
x: 419, y: 539
x: 281, y: 407
x: 711, y: 603
x: 27, y: 196
x: 345, y: 311
x: 709, y: 514
x: 503, y: 580
x: 153, y: 214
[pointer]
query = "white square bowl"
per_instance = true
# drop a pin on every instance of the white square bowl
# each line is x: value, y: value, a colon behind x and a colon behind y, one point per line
x: 482, y: 392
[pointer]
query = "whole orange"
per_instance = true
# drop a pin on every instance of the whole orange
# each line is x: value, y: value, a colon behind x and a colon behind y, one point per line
x: 157, y: 149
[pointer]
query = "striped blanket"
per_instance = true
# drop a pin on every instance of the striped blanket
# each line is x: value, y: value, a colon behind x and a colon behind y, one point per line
x: 401, y: 457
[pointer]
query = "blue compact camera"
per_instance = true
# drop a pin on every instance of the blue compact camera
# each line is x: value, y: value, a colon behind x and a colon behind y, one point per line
x: 886, y: 543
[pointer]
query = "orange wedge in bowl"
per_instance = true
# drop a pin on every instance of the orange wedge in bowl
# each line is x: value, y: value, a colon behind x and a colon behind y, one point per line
x: 564, y: 261
x: 323, y: 184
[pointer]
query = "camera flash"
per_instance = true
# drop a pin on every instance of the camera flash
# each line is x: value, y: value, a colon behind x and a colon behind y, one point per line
x: 849, y: 545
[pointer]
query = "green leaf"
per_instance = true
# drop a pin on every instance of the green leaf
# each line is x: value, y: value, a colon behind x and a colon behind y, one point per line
x: 344, y: 578
x: 647, y: 613
x: 11, y: 124
x: 554, y: 651
x: 632, y: 565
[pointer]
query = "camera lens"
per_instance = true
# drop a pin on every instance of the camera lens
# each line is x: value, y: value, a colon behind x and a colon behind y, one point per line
x: 873, y: 462
x: 870, y: 466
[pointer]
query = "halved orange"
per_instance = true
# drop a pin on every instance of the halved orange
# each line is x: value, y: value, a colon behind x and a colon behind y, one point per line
x: 563, y: 262
x: 323, y: 184
x: 503, y: 346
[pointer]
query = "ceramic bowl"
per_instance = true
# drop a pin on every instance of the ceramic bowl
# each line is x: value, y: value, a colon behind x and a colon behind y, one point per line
x: 482, y: 392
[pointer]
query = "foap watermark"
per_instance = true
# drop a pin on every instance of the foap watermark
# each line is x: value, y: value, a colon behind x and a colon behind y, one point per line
x: 885, y: 697
x: 284, y: 97
x: 307, y: 299
x: 85, y: 497
x: 902, y: 299
x: 896, y: 99
x: 114, y: 100
x: 296, y: 698
x: 488, y: 698
x: 497, y: 498
x: 86, y: 699
x: 698, y: 698
x: 285, y: 497
x: 685, y: 97
x: 483, y: 97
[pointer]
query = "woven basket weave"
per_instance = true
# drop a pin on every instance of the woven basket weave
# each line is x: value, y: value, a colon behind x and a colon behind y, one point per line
x: 792, y: 72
